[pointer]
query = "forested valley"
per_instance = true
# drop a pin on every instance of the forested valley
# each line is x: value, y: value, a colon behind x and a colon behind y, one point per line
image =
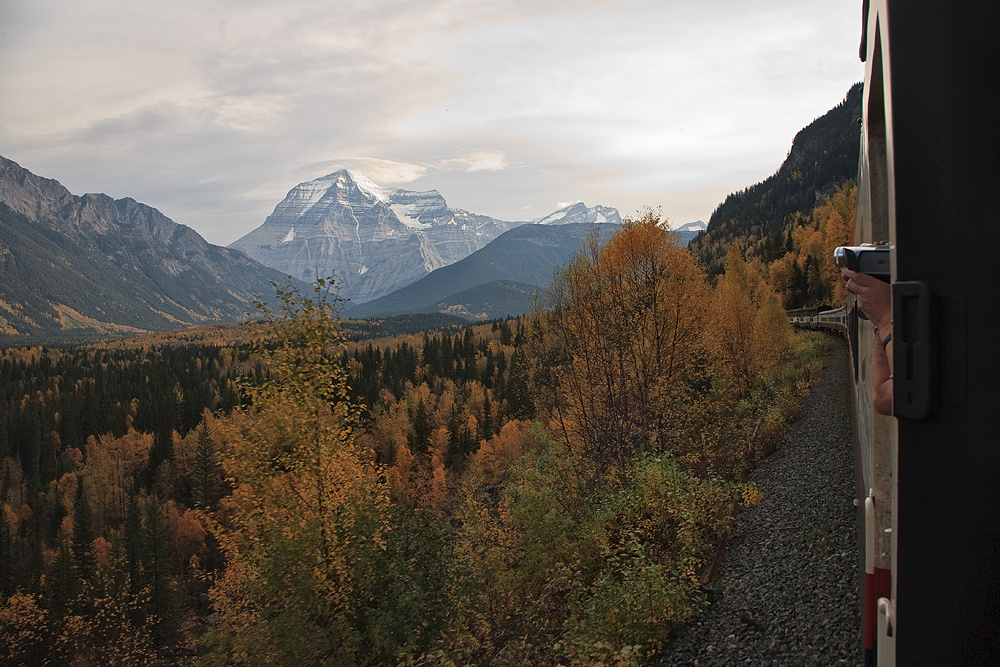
x: 543, y: 490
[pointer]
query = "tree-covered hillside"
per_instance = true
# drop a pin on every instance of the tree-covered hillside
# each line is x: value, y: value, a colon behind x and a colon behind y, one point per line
x: 759, y: 219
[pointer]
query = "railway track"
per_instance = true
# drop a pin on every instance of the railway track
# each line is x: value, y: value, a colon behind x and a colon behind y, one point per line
x: 787, y: 591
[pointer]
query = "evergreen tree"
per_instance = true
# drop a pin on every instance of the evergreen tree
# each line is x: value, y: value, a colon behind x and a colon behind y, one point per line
x: 489, y: 370
x: 162, y: 450
x: 133, y: 543
x: 7, y: 558
x: 34, y: 564
x: 454, y: 453
x: 816, y: 287
x: 162, y: 599
x: 206, y: 478
x: 506, y: 338
x: 83, y: 533
x: 797, y: 294
x: 486, y: 423
x: 469, y: 360
x: 62, y: 583
x: 519, y: 401
x: 420, y: 434
x: 500, y: 378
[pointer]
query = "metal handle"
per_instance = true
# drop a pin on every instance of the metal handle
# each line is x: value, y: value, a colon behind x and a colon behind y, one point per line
x: 914, y: 387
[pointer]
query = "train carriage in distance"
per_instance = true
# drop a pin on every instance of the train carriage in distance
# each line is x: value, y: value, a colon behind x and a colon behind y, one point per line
x: 929, y: 474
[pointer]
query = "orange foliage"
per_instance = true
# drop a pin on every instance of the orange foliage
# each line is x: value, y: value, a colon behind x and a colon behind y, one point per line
x: 813, y: 240
x: 749, y: 330
x: 622, y: 333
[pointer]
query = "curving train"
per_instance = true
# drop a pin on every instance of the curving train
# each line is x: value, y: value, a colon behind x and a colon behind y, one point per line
x: 824, y: 318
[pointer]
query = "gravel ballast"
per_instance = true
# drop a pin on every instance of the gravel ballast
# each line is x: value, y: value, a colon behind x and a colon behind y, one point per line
x: 787, y: 590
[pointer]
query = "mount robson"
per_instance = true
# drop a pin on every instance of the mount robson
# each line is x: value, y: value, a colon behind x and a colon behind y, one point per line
x: 377, y: 240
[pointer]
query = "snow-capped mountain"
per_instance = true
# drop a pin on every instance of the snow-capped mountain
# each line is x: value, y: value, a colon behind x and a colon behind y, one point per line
x: 375, y: 239
x: 579, y: 212
x: 696, y: 226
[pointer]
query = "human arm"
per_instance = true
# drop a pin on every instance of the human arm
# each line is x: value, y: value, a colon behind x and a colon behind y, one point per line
x: 875, y: 299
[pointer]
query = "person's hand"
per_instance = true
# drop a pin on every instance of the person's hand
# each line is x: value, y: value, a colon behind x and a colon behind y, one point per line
x: 874, y: 296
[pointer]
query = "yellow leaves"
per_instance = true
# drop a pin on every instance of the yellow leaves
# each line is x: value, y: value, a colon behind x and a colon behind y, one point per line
x: 830, y: 224
x: 399, y: 474
x: 751, y: 495
x: 621, y: 334
x: 188, y: 529
x: 23, y: 628
x: 437, y: 496
x: 749, y: 330
x: 308, y: 505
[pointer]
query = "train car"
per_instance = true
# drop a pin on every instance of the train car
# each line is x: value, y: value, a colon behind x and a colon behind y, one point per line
x: 823, y: 318
x: 929, y: 474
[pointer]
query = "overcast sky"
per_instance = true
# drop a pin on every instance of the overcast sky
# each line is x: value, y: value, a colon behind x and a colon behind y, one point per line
x: 211, y: 110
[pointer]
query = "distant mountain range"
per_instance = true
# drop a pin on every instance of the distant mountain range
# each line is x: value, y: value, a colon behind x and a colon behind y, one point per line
x: 690, y: 231
x: 375, y: 239
x: 81, y: 267
x: 84, y: 267
x: 78, y: 268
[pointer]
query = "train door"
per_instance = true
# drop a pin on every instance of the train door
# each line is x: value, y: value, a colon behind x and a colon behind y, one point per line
x: 931, y: 175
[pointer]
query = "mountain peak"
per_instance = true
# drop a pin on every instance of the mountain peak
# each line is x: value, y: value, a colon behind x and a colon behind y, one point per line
x: 366, y: 185
x: 696, y: 226
x: 377, y: 239
x: 580, y: 212
x: 345, y: 180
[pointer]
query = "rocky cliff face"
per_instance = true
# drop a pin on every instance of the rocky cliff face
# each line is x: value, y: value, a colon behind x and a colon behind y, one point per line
x: 99, y: 265
x: 376, y: 240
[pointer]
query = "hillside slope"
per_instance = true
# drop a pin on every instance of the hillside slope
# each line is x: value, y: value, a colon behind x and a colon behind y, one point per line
x: 515, y: 262
x: 824, y: 155
x: 83, y: 267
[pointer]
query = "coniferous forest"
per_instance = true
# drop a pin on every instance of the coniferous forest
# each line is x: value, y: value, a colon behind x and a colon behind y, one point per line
x: 543, y: 490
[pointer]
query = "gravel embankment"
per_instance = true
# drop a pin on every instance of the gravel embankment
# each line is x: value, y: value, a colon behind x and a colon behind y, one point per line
x: 787, y: 591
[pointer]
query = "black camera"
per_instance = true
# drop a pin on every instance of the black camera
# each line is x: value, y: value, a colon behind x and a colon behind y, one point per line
x: 866, y: 258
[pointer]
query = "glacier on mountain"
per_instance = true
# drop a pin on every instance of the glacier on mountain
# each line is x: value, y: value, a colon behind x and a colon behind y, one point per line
x: 374, y: 239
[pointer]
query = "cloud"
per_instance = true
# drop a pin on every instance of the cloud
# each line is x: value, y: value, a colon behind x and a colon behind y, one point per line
x: 476, y: 160
x: 212, y: 111
x: 383, y: 172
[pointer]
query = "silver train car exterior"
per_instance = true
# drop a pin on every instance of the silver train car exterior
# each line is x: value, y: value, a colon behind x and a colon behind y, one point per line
x: 823, y: 318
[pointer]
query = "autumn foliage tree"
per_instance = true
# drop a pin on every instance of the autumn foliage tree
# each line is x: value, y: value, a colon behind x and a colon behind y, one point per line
x: 748, y: 329
x: 438, y: 523
x: 307, y: 507
x: 805, y: 275
x: 618, y: 339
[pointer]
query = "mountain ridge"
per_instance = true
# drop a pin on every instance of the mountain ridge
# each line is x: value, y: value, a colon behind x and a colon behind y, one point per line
x: 526, y: 255
x: 823, y: 156
x: 84, y: 266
